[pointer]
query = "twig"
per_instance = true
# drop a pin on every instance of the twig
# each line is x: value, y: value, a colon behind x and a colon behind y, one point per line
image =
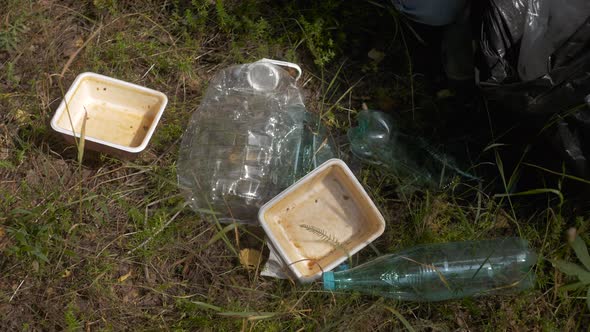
x: 16, y: 290
x: 73, y: 56
x: 148, y: 71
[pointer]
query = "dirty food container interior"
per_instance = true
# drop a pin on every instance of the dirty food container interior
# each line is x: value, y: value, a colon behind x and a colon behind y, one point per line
x: 120, y: 117
x: 331, y: 200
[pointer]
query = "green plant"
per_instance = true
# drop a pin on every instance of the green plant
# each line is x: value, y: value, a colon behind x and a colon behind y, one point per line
x: 9, y: 35
x: 110, y: 5
x: 72, y: 323
x: 226, y: 21
x: 31, y: 240
x: 318, y: 42
x: 582, y: 272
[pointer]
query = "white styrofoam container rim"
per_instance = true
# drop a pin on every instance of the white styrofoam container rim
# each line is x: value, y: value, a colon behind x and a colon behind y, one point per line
x: 62, y: 108
x: 283, y: 253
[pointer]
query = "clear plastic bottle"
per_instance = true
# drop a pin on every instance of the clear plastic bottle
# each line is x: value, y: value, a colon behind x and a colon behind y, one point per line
x: 250, y: 138
x: 443, y: 271
x: 377, y: 140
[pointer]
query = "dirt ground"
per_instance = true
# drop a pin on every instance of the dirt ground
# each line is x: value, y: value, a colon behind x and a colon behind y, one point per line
x: 109, y: 244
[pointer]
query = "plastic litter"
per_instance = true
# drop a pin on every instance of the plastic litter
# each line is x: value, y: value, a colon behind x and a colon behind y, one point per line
x: 519, y: 37
x: 443, y: 271
x: 250, y: 138
x: 118, y: 117
x: 376, y: 140
x: 537, y: 59
x: 320, y: 221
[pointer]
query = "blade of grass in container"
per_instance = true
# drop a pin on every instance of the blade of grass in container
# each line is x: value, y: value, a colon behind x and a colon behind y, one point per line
x: 82, y: 137
x: 329, y: 238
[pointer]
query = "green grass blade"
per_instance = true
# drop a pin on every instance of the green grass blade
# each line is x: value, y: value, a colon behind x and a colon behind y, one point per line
x: 221, y: 233
x: 588, y: 298
x: 572, y: 270
x: 572, y: 287
x: 567, y: 176
x: 581, y: 251
x: 536, y: 192
x: 495, y: 145
x: 249, y: 315
x: 401, y: 318
x: 206, y: 305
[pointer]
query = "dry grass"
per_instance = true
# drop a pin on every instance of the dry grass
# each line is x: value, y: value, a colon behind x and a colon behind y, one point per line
x: 111, y: 246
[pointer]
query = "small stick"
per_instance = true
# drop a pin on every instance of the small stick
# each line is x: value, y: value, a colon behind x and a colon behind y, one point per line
x: 16, y: 290
x: 73, y: 56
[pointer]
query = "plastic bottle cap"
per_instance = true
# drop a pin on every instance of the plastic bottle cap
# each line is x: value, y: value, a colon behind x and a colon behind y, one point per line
x: 329, y: 280
x: 263, y: 76
x: 342, y: 267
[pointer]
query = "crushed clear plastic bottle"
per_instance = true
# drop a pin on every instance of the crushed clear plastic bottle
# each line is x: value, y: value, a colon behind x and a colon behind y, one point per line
x: 443, y: 271
x: 377, y: 140
x: 250, y: 138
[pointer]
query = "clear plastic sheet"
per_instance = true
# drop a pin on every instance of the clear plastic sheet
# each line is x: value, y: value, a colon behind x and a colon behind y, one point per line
x: 250, y: 138
x: 376, y: 140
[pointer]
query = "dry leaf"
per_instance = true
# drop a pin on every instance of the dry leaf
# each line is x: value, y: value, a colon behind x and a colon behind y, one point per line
x: 572, y: 232
x: 3, y: 239
x: 21, y: 117
x: 131, y: 296
x: 376, y: 55
x: 4, y: 153
x: 249, y: 258
x: 66, y: 273
x: 124, y: 277
x: 79, y: 42
x: 71, y: 46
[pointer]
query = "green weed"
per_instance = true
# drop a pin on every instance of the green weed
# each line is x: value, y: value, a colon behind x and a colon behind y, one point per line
x: 10, y: 33
x: 319, y: 44
x: 31, y: 240
x: 108, y: 5
x: 581, y: 272
x: 71, y: 321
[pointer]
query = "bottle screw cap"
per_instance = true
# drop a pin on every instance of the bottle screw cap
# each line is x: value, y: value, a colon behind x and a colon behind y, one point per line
x: 328, y: 280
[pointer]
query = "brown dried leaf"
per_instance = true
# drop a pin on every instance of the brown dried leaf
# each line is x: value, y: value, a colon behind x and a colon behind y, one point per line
x: 124, y: 277
x: 250, y: 258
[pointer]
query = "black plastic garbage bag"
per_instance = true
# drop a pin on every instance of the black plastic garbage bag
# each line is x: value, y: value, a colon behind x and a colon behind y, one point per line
x: 535, y: 61
x: 519, y: 38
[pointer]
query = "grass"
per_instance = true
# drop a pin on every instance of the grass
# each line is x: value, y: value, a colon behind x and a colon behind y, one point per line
x: 91, y: 242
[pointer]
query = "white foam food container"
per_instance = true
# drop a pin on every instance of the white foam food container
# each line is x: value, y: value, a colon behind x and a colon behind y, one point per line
x: 120, y: 117
x: 315, y: 224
